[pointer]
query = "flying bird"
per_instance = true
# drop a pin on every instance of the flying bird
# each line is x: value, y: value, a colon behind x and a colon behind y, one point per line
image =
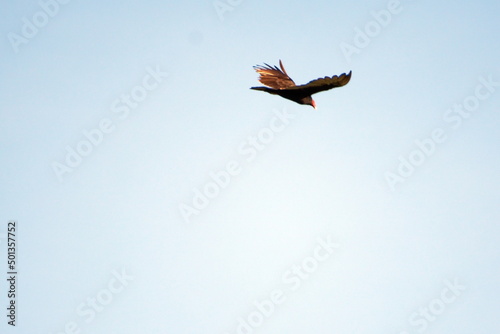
x: 279, y: 83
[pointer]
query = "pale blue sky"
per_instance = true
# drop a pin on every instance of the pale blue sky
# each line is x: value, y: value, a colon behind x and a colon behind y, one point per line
x: 322, y: 175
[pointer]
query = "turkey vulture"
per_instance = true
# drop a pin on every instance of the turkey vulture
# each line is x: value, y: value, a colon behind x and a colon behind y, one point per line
x: 281, y: 84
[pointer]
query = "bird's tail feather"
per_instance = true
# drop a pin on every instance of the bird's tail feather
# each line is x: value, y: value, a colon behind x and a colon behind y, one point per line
x: 265, y: 89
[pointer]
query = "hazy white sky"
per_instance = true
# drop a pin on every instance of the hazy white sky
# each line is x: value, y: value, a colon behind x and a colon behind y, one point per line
x: 156, y: 193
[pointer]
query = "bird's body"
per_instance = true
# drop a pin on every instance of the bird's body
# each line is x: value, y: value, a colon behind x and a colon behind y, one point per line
x: 279, y: 83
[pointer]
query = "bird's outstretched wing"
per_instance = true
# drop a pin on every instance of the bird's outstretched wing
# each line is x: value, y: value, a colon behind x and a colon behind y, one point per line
x: 321, y: 84
x: 273, y: 77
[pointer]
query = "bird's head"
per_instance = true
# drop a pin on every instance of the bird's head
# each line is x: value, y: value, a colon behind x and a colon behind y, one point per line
x: 313, y: 104
x: 309, y: 101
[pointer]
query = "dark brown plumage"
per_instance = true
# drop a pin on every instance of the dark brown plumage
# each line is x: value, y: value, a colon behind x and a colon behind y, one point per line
x: 281, y: 84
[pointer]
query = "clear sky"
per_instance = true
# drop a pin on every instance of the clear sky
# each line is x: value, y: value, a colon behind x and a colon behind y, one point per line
x: 154, y: 192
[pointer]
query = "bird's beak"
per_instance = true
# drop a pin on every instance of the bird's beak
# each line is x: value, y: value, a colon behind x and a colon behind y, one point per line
x: 313, y: 104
